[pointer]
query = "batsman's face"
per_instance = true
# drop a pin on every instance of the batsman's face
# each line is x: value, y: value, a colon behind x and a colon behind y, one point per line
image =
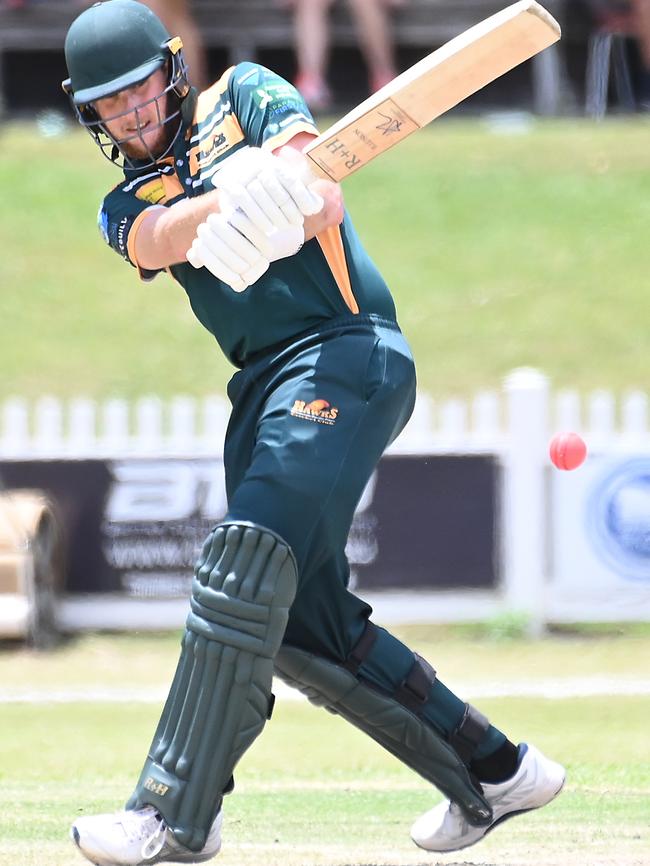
x: 135, y: 116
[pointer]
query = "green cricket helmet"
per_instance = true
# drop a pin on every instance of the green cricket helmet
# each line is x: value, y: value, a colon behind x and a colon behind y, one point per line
x: 115, y: 45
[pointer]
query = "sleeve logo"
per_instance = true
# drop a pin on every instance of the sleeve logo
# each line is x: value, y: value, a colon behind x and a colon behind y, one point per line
x: 102, y: 223
x: 262, y: 98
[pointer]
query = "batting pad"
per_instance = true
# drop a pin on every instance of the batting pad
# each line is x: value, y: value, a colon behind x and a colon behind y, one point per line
x: 378, y: 714
x: 220, y: 697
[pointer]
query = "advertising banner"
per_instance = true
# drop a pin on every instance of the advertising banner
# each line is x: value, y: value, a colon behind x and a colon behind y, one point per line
x: 135, y: 526
x: 601, y: 538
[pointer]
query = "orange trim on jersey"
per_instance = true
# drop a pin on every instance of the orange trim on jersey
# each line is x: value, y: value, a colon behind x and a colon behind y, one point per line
x: 222, y: 135
x: 152, y: 192
x: 331, y: 244
x: 172, y: 186
x: 207, y: 100
x: 130, y: 241
x: 287, y: 134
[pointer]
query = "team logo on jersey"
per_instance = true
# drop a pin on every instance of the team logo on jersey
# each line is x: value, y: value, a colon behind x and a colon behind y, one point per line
x: 211, y: 147
x: 318, y: 410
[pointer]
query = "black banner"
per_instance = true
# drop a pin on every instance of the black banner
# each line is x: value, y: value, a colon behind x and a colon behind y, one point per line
x: 433, y: 521
x: 135, y: 526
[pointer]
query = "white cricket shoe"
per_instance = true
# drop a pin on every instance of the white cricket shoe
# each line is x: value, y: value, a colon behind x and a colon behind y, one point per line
x: 137, y: 838
x: 535, y: 783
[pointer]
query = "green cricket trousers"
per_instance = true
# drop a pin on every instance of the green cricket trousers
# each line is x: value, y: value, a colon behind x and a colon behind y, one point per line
x: 309, y: 424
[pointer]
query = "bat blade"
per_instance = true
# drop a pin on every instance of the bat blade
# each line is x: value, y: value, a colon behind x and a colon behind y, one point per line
x: 434, y: 85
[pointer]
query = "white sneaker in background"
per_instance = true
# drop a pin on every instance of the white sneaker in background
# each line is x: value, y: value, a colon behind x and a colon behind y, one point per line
x: 535, y: 783
x: 137, y: 838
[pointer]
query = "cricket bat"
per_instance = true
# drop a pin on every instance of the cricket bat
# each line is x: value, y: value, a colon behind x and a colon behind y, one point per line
x: 431, y: 87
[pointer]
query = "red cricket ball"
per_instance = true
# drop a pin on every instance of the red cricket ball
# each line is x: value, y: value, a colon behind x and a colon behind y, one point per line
x: 567, y: 450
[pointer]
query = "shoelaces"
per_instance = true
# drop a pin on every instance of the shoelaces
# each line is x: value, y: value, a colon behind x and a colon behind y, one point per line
x: 137, y: 829
x: 154, y: 843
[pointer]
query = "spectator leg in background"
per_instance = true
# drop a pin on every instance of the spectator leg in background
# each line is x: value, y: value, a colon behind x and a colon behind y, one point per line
x: 372, y: 18
x: 178, y: 19
x: 311, y: 40
x: 642, y: 25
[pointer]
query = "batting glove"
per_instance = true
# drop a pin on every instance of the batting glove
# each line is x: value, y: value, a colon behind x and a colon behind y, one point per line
x: 226, y: 253
x: 271, y: 193
x: 279, y: 244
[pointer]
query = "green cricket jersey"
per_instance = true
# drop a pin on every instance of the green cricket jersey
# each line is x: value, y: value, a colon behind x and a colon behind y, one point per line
x: 331, y: 276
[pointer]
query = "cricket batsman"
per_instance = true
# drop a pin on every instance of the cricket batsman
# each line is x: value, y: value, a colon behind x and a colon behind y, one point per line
x: 214, y: 191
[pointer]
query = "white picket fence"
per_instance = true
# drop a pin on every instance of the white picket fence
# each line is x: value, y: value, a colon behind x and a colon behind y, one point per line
x: 514, y: 424
x: 491, y: 422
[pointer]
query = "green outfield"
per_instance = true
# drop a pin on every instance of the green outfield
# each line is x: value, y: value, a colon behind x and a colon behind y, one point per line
x: 505, y: 245
x: 314, y: 791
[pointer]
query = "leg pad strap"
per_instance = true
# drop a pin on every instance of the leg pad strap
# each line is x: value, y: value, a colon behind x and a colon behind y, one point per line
x: 469, y: 733
x: 390, y: 723
x: 416, y: 687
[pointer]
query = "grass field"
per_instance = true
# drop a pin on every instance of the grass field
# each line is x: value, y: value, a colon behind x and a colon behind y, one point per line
x: 526, y: 247
x: 503, y: 249
x: 314, y: 791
